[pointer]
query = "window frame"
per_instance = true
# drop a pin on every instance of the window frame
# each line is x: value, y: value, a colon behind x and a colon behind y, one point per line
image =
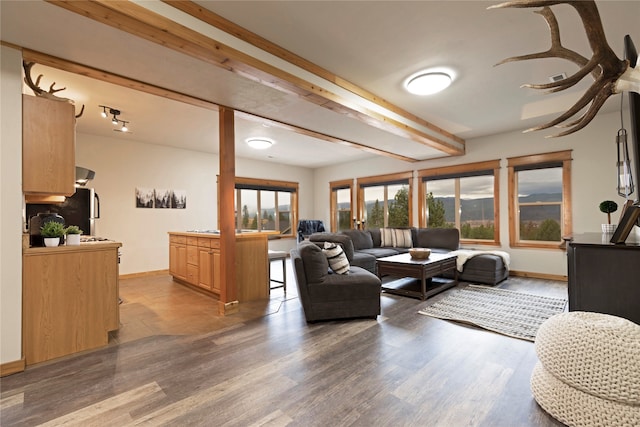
x: 268, y: 185
x: 334, y: 186
x: 552, y: 159
x: 457, y: 172
x: 390, y: 179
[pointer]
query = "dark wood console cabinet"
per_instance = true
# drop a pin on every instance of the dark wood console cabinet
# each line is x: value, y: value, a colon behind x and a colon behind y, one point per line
x: 604, y: 277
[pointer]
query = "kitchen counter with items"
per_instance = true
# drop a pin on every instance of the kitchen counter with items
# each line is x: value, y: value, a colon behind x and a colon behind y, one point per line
x: 194, y: 260
x: 70, y: 298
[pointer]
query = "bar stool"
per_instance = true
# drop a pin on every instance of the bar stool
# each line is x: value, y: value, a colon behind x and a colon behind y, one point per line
x: 275, y: 256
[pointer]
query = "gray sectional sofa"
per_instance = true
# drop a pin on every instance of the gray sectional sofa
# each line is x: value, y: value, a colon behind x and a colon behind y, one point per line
x: 326, y: 295
x: 363, y: 247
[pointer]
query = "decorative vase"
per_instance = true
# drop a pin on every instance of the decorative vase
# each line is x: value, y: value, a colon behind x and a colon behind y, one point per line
x: 609, y: 228
x: 51, y: 241
x: 73, y: 239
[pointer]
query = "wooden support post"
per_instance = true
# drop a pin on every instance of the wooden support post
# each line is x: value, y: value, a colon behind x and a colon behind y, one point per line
x: 226, y: 209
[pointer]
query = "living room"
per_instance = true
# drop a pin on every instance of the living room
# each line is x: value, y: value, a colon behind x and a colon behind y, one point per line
x: 123, y: 165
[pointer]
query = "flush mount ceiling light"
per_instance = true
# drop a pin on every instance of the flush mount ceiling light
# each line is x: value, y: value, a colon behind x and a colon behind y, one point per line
x: 428, y: 82
x: 114, y: 119
x: 259, y: 143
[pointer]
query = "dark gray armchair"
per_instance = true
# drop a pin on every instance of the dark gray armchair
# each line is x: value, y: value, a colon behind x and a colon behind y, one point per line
x: 325, y: 295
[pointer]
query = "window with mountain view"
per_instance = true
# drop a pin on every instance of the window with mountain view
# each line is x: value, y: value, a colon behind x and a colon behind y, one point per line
x: 266, y: 206
x: 463, y: 197
x: 539, y: 189
x: 385, y: 201
x: 341, y: 212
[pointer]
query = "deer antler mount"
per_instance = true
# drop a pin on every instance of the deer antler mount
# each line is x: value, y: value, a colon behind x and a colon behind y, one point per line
x: 50, y: 94
x: 611, y: 74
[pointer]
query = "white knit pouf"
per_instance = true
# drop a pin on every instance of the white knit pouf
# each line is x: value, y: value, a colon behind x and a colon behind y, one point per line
x: 589, y: 369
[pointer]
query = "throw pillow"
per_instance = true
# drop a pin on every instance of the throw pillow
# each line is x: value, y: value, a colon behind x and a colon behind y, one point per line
x: 386, y: 237
x: 401, y: 238
x: 338, y: 261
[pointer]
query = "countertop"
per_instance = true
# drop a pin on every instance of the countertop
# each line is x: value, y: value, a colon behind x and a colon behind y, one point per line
x: 83, y: 246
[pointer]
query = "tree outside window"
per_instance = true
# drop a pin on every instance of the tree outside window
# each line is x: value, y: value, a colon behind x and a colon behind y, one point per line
x: 540, y: 200
x: 540, y: 204
x: 266, y: 206
x: 385, y: 201
x: 463, y: 197
x: 341, y: 212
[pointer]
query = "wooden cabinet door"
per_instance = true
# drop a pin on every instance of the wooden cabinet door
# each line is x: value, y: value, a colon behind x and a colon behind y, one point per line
x: 216, y: 271
x: 178, y: 260
x: 205, y: 261
x: 70, y: 301
x: 48, y: 146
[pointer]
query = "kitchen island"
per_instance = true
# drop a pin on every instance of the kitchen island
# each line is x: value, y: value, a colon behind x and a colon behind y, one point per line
x: 194, y: 260
x: 70, y: 298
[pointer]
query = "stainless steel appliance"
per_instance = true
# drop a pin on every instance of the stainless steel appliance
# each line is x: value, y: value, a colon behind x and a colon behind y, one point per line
x: 81, y: 209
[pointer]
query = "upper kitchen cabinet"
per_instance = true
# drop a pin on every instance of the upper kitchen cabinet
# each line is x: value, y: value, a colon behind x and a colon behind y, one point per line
x: 48, y: 147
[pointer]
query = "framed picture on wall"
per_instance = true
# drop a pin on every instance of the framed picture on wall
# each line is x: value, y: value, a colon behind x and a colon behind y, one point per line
x: 179, y: 199
x: 144, y: 197
x: 162, y: 199
x: 628, y: 220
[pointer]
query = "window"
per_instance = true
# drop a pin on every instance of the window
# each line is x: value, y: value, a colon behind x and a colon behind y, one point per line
x: 463, y: 197
x: 341, y: 212
x: 540, y: 199
x: 266, y: 206
x: 385, y: 201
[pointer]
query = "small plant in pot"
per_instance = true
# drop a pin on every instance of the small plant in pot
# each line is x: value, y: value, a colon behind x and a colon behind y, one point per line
x: 52, y: 231
x: 73, y: 233
x: 608, y: 207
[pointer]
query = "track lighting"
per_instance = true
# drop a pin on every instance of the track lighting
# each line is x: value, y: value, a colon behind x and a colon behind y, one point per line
x: 106, y: 110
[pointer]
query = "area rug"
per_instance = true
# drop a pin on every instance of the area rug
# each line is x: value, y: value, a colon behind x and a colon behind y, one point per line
x: 510, y: 313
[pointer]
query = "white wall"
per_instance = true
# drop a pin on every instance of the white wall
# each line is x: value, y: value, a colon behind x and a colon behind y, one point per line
x: 122, y: 164
x: 10, y: 205
x: 593, y: 180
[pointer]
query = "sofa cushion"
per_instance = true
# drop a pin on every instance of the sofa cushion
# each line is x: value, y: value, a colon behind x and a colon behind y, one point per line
x: 386, y: 237
x: 336, y: 257
x: 443, y: 238
x: 360, y: 283
x: 375, y: 236
x: 361, y: 239
x: 364, y: 260
x: 339, y: 238
x: 316, y: 266
x: 380, y: 252
x: 401, y: 238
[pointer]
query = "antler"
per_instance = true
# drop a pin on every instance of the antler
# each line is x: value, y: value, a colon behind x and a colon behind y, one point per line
x: 35, y: 87
x: 611, y: 74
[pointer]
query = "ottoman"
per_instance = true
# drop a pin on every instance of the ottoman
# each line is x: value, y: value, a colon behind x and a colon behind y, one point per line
x: 588, y: 373
x: 485, y: 268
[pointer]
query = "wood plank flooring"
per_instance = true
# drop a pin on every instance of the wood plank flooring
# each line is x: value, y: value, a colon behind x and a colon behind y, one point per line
x: 174, y: 363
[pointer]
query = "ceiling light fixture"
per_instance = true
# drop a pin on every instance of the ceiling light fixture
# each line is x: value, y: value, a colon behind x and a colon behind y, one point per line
x: 114, y: 119
x: 428, y: 82
x: 259, y: 143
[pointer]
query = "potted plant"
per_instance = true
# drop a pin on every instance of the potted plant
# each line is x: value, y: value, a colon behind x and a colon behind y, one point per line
x: 608, y: 207
x: 52, y: 231
x: 73, y: 233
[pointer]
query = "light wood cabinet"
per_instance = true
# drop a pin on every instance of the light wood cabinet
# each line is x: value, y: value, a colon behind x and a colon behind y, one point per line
x: 48, y: 147
x: 70, y: 299
x: 202, y: 263
x: 178, y: 257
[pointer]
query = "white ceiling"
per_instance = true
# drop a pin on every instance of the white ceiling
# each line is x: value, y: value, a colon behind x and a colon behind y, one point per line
x: 372, y: 44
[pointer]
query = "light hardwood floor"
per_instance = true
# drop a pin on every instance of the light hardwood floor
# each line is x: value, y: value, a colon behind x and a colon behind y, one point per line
x: 175, y: 363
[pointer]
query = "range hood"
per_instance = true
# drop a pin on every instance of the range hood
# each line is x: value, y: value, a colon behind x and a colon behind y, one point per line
x: 83, y: 175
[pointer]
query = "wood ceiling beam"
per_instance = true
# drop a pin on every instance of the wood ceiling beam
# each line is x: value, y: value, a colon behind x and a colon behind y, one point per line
x: 94, y: 73
x: 139, y: 21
